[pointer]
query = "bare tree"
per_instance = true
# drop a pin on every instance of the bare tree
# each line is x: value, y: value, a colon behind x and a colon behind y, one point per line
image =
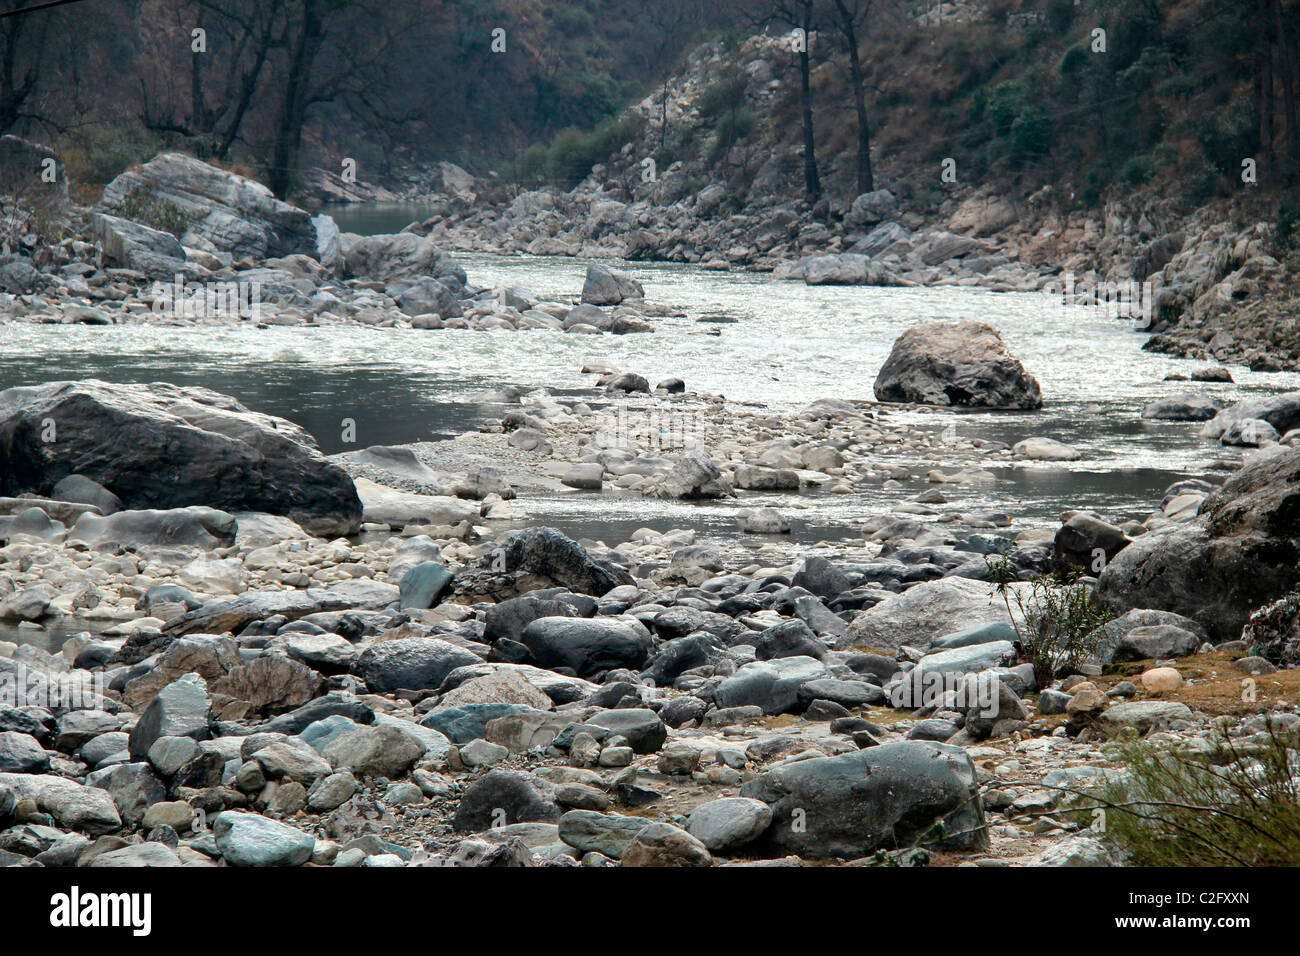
x: 850, y: 17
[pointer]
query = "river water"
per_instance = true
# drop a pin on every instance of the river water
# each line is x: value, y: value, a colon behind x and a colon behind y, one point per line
x: 788, y: 345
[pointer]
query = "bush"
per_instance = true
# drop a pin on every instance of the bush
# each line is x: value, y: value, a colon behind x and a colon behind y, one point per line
x: 1286, y: 228
x: 732, y: 128
x: 1137, y: 170
x: 162, y: 214
x: 726, y: 94
x: 1237, y: 804
x: 1058, y: 619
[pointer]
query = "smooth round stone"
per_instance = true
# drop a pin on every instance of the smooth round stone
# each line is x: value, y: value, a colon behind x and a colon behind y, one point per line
x: 1160, y: 679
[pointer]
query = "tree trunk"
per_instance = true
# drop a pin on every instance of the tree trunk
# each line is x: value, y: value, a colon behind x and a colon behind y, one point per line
x: 811, y: 181
x: 288, y: 131
x: 866, y: 182
x: 1287, y: 69
x: 1264, y: 85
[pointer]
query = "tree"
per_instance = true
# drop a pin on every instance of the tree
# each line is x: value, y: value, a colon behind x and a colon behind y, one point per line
x: 850, y: 16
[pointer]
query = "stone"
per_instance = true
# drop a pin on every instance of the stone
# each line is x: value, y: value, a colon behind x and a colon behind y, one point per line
x: 884, y: 797
x: 729, y: 823
x: 549, y: 554
x: 425, y: 585
x: 413, y: 663
x: 1238, y: 553
x: 181, y: 709
x: 608, y: 833
x: 925, y: 611
x: 380, y: 751
x: 503, y: 797
x: 248, y: 839
x: 963, y: 364
x: 662, y: 844
x: 223, y: 211
x: 1158, y: 680
x: 1044, y: 449
x: 771, y: 685
x: 1142, y: 715
x: 190, y: 446
x: 606, y: 286
x: 587, y: 646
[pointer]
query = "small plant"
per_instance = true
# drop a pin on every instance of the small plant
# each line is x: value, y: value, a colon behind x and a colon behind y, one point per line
x: 1056, y: 629
x: 161, y: 214
x: 1286, y: 228
x: 1235, y: 805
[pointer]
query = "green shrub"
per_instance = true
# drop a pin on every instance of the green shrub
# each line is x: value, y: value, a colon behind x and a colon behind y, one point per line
x: 726, y: 94
x: 1236, y: 804
x: 161, y: 214
x: 731, y: 128
x: 1058, y: 621
x: 1137, y: 170
x: 1286, y: 228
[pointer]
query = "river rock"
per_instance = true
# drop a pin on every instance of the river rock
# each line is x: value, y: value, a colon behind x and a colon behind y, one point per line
x: 606, y: 286
x: 1142, y: 714
x: 224, y: 212
x: 587, y: 646
x: 504, y: 797
x: 1044, y: 449
x: 1187, y: 407
x: 924, y: 612
x: 1081, y: 537
x: 771, y: 685
x: 729, y: 823
x: 547, y: 553
x: 412, y: 663
x: 248, y: 839
x: 662, y: 844
x: 189, y: 446
x: 1238, y: 553
x: 883, y: 797
x: 132, y: 245
x: 961, y: 364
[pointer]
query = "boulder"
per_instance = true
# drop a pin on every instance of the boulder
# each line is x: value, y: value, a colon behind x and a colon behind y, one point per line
x: 885, y: 797
x: 547, y: 553
x: 1086, y: 541
x: 926, y: 611
x: 130, y: 245
x: 771, y: 685
x: 729, y: 823
x: 606, y: 286
x: 401, y: 256
x: 248, y: 839
x: 225, y: 213
x: 1187, y: 407
x: 963, y: 364
x: 692, y: 476
x: 587, y: 645
x: 164, y: 446
x: 410, y: 663
x: 662, y: 844
x: 1044, y: 449
x: 504, y: 797
x: 1241, y: 551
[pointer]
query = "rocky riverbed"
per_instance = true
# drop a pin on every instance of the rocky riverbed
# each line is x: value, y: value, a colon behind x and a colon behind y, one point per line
x: 409, y: 685
x: 227, y: 648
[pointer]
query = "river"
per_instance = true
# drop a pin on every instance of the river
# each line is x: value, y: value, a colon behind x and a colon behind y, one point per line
x: 788, y: 345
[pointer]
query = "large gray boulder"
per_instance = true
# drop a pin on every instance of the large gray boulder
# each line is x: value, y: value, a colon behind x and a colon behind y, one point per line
x: 225, y: 212
x: 926, y: 611
x: 962, y: 364
x: 772, y: 685
x: 885, y: 797
x: 132, y: 245
x: 404, y: 255
x: 1240, y: 552
x: 162, y: 446
x: 845, y: 268
x: 548, y: 554
x: 411, y: 663
x: 606, y: 286
x: 588, y: 645
x: 1280, y: 411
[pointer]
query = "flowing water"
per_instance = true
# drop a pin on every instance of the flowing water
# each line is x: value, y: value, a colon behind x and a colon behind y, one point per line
x: 787, y: 344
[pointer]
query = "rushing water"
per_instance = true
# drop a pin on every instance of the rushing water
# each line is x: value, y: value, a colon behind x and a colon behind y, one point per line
x: 788, y: 345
